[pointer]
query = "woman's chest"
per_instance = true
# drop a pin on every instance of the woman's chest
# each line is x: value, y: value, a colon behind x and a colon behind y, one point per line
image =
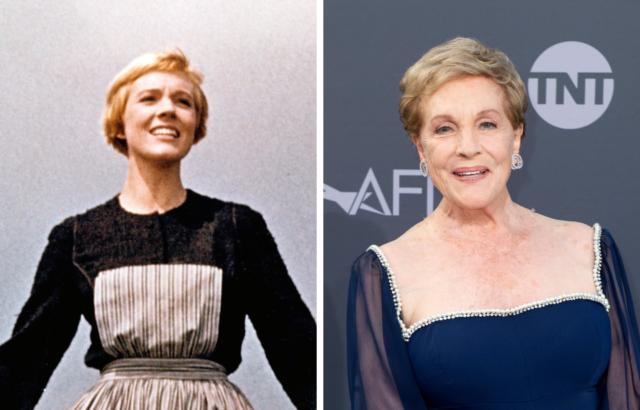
x: 556, y: 353
x: 156, y: 239
x: 447, y: 281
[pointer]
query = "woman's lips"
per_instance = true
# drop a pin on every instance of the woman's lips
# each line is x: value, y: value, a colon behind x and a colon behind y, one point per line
x: 166, y: 132
x: 470, y: 174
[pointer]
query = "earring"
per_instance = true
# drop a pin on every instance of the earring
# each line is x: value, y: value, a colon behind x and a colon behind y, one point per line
x: 516, y: 161
x: 424, y: 168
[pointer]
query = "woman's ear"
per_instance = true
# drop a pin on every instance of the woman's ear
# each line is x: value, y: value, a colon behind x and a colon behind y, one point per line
x: 418, y: 144
x: 517, y: 138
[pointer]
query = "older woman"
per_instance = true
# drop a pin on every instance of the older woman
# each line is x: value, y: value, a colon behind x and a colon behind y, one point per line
x: 486, y: 304
x: 164, y: 276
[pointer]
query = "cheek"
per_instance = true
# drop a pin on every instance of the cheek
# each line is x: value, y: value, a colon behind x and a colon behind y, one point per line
x: 133, y: 118
x: 439, y: 152
x: 190, y: 119
x: 502, y: 154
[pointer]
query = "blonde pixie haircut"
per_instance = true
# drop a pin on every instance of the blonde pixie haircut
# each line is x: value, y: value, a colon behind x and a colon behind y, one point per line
x: 457, y: 58
x: 118, y: 93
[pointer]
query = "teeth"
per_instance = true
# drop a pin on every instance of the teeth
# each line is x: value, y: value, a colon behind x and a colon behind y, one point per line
x: 165, y: 131
x: 466, y: 174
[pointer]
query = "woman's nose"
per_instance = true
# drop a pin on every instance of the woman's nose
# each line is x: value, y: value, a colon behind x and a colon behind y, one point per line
x: 468, y: 144
x: 166, y: 107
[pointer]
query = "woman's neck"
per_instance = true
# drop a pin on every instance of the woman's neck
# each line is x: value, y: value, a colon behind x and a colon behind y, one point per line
x: 501, y: 217
x: 150, y: 188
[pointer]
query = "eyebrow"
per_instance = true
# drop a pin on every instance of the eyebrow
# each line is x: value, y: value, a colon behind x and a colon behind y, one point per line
x: 488, y: 111
x: 156, y: 90
x: 447, y: 117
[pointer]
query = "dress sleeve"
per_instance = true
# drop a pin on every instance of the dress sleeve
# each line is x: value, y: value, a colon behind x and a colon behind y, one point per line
x: 282, y: 321
x: 45, y: 327
x: 380, y: 373
x: 620, y: 385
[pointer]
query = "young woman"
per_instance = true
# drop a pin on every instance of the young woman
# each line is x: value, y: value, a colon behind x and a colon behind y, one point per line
x: 164, y: 276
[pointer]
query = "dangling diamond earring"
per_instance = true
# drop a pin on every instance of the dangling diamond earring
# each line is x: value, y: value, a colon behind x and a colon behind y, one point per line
x: 516, y: 161
x: 424, y: 168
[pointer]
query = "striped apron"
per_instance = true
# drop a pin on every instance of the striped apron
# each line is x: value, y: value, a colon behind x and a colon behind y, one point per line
x: 160, y: 321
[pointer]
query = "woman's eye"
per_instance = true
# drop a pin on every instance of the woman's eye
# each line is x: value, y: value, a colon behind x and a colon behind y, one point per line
x: 487, y: 125
x: 443, y: 130
x: 185, y: 102
x: 147, y: 98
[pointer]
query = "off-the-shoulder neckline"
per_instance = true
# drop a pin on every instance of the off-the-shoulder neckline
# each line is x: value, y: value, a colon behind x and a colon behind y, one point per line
x: 407, y: 331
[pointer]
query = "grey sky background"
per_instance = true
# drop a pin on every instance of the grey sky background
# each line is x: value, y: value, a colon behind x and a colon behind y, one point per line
x: 56, y: 61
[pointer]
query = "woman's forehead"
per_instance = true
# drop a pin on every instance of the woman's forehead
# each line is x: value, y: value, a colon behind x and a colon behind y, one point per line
x: 163, y: 80
x: 469, y: 96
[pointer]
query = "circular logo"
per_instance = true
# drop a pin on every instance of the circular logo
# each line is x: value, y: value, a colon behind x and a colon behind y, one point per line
x: 570, y: 85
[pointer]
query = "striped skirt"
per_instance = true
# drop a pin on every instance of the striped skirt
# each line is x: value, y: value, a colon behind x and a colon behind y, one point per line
x: 159, y: 320
x: 163, y: 384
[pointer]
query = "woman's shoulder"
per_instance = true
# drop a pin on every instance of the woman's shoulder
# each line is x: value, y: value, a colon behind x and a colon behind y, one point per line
x: 99, y: 212
x: 209, y: 204
x: 368, y: 262
x: 399, y: 253
x: 412, y: 242
x: 96, y: 212
x: 247, y: 222
x: 568, y: 240
x: 566, y: 231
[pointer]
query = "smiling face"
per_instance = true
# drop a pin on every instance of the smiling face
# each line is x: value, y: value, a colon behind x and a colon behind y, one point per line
x: 467, y: 140
x: 160, y: 117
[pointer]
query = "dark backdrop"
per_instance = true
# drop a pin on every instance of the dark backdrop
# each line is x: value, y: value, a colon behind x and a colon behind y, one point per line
x: 589, y: 174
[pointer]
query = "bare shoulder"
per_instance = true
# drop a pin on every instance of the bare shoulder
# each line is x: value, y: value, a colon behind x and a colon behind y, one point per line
x: 405, y: 243
x: 410, y: 252
x: 568, y: 234
x: 568, y: 229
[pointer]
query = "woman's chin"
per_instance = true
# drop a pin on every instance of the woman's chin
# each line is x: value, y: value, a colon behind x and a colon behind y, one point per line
x: 162, y: 157
x: 472, y: 203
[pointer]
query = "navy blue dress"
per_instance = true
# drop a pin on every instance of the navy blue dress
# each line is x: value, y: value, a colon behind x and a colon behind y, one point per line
x: 571, y: 352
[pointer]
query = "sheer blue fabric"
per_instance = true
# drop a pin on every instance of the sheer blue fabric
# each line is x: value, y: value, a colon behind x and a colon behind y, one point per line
x: 568, y: 356
x: 620, y: 388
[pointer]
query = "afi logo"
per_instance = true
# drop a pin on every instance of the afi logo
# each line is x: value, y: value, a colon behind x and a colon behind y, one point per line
x: 352, y: 202
x: 571, y: 85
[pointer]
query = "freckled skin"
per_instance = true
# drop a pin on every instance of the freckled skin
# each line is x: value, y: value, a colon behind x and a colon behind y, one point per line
x: 478, y: 249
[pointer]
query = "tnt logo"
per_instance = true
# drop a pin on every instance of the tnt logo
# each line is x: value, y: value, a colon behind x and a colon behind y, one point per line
x: 571, y: 85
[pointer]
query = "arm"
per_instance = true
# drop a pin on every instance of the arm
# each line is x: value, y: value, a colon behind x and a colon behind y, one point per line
x: 620, y: 386
x: 282, y: 321
x: 380, y: 372
x: 45, y: 327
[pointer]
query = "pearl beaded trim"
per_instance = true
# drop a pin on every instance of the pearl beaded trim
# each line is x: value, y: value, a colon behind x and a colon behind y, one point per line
x: 408, y: 331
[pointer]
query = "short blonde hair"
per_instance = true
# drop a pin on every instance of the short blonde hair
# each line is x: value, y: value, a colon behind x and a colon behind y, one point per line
x: 458, y: 58
x: 118, y: 93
